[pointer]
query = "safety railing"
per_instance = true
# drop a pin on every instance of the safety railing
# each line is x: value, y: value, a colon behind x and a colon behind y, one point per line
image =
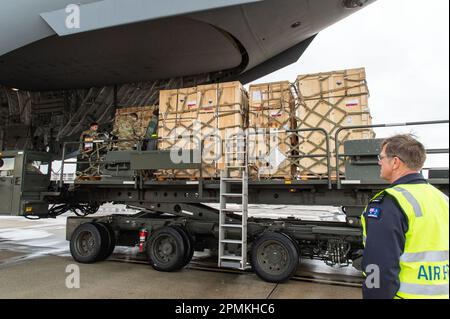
x: 327, y: 155
x: 295, y: 155
x: 338, y: 131
x: 109, y: 142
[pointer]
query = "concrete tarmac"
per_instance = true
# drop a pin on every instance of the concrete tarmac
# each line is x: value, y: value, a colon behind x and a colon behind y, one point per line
x: 34, y: 257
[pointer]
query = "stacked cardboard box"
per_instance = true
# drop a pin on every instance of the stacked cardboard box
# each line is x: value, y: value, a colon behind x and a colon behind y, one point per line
x: 205, y: 113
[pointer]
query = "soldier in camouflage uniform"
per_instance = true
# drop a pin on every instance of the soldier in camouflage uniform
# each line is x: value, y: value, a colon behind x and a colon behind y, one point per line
x: 152, y: 132
x: 128, y: 129
x: 87, y: 147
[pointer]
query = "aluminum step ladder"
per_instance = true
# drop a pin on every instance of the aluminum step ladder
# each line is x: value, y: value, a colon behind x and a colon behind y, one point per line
x: 235, y: 173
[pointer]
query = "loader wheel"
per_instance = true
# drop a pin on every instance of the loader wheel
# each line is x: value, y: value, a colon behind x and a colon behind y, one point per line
x: 274, y: 257
x: 188, y: 243
x: 108, y: 241
x: 166, y: 249
x: 86, y: 243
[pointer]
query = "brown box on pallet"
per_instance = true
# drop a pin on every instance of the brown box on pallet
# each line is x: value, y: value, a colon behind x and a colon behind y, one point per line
x: 330, y: 100
x: 206, y: 112
x: 272, y: 111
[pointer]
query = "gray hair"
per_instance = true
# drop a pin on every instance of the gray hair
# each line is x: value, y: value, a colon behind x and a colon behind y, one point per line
x: 409, y: 150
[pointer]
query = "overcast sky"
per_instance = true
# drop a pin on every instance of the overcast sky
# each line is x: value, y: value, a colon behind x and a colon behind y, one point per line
x: 404, y: 46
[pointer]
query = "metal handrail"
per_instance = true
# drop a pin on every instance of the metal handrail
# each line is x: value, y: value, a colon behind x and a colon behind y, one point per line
x: 63, y: 161
x: 337, y: 144
x: 327, y: 155
x: 323, y: 131
x: 139, y: 148
x: 327, y: 141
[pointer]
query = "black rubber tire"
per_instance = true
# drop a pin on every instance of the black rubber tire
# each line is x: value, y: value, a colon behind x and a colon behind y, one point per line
x: 188, y: 243
x: 86, y: 243
x: 108, y: 241
x: 296, y: 246
x: 166, y: 249
x: 277, y: 266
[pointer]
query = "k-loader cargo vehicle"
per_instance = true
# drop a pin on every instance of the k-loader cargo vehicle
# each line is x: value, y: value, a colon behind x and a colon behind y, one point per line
x: 175, y: 218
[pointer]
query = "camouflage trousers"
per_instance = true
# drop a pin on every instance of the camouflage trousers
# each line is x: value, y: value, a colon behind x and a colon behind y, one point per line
x: 123, y: 146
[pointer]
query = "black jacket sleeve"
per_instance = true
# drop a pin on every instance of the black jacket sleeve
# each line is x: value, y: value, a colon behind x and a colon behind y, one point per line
x: 385, y: 244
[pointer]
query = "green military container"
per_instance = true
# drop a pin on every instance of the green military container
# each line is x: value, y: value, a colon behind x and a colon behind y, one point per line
x: 361, y: 160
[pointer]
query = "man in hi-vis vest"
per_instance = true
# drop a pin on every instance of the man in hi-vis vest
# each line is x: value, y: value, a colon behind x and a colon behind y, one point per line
x: 405, y: 228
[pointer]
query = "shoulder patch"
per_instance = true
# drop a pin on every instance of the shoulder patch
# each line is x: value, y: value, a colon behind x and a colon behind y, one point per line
x: 374, y: 212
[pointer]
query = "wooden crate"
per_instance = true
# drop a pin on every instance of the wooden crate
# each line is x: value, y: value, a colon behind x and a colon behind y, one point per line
x: 271, y: 112
x: 330, y: 100
x: 210, y: 113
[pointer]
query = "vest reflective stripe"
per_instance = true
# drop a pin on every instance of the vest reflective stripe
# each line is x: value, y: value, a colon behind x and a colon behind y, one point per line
x: 410, y: 198
x: 426, y: 256
x: 427, y: 290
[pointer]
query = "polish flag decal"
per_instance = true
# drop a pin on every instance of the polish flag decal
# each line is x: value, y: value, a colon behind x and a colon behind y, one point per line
x: 350, y: 103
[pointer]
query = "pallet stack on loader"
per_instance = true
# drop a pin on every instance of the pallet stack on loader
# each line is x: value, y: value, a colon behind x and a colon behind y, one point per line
x: 277, y: 116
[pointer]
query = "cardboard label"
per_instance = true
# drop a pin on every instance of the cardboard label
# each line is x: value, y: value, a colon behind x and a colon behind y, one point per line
x: 256, y: 96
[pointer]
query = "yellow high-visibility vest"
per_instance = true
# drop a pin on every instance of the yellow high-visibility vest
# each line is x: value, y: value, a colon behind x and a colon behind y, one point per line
x: 424, y: 270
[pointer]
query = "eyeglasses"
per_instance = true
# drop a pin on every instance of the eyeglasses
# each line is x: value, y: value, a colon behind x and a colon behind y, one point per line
x: 381, y: 157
